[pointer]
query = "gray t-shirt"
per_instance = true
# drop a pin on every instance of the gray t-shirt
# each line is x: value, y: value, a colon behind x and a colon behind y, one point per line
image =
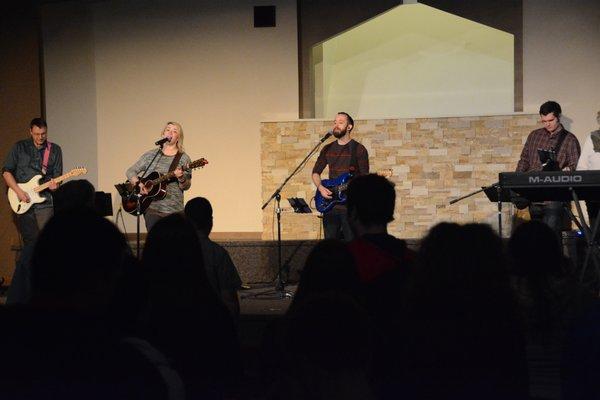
x: 173, y: 201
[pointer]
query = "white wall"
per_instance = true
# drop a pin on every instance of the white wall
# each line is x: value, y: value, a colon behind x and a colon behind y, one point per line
x: 561, y: 59
x: 201, y: 63
x: 70, y: 85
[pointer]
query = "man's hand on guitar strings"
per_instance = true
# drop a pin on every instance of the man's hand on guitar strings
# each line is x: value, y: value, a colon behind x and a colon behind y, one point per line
x: 326, y: 193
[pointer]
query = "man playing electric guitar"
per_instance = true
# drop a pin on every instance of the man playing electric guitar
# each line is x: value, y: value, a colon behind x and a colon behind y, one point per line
x: 26, y: 159
x: 345, y: 155
x: 171, y: 157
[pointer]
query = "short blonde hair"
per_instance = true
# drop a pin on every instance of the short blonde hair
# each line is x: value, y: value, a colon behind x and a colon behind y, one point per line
x: 180, y: 140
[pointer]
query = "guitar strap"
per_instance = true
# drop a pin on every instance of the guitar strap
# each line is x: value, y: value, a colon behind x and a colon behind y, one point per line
x: 554, y: 165
x: 175, y: 162
x: 46, y: 157
x: 560, y: 141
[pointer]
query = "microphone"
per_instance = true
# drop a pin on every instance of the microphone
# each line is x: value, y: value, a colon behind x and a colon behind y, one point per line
x: 163, y: 140
x: 327, y: 135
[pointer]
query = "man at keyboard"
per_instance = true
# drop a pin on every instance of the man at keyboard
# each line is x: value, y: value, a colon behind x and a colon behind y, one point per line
x: 553, y: 138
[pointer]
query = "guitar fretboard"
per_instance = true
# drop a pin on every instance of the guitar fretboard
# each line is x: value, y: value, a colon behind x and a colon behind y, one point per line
x: 59, y: 179
x: 185, y: 167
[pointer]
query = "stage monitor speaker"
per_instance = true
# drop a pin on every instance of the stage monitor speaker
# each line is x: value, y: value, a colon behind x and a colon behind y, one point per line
x: 264, y: 17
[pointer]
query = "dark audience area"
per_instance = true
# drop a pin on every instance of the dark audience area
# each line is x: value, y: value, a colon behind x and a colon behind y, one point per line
x: 467, y: 316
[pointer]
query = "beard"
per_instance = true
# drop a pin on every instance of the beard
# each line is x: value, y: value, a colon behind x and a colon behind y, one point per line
x: 339, y: 135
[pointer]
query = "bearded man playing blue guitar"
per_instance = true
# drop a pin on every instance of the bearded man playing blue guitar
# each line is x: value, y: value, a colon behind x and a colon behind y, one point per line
x: 343, y: 156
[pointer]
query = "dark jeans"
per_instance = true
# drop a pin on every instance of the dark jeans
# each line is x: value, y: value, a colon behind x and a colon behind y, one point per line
x: 29, y: 225
x: 552, y: 213
x: 336, y: 225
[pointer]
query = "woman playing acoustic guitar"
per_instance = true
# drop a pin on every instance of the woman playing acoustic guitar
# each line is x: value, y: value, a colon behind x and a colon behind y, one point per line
x: 165, y: 198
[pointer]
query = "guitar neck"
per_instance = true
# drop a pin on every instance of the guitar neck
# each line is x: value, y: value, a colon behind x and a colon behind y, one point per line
x: 167, y: 176
x: 59, y: 179
x: 186, y: 167
x: 163, y: 178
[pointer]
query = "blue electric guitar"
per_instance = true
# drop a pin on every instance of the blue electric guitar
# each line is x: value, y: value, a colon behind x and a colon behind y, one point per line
x: 338, y: 188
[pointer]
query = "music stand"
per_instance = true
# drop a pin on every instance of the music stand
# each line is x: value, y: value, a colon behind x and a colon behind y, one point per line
x: 103, y: 204
x: 495, y: 193
x: 299, y: 205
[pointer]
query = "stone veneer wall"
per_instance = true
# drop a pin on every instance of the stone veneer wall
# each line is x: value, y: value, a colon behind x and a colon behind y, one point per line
x: 433, y: 161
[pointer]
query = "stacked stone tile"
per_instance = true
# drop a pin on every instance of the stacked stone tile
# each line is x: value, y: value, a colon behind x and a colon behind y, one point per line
x: 433, y: 161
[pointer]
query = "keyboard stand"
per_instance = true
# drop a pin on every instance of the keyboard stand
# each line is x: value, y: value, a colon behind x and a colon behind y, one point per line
x: 590, y: 234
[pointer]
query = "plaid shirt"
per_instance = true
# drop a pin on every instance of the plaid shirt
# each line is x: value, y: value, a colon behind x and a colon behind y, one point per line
x: 568, y: 155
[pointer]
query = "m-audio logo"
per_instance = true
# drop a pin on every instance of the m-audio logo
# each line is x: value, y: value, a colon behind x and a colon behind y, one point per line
x: 556, y: 179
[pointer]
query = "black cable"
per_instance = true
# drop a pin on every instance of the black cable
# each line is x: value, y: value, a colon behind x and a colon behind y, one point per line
x: 120, y: 212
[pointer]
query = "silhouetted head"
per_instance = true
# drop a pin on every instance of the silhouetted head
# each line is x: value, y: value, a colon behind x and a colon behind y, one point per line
x: 200, y: 212
x: 173, y: 264
x: 78, y: 261
x: 371, y: 201
x: 461, y: 265
x: 535, y: 250
x: 74, y: 195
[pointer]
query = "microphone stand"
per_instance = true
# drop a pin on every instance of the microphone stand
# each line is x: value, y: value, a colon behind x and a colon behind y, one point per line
x: 138, y: 196
x: 279, y: 291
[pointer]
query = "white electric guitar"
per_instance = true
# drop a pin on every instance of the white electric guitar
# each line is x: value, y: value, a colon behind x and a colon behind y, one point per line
x: 33, y: 189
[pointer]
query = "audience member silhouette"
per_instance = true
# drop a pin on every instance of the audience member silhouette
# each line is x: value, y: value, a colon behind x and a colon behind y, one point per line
x: 220, y: 270
x: 549, y: 300
x: 460, y: 336
x: 329, y: 270
x: 68, y: 342
x: 74, y: 194
x: 547, y: 292
x: 383, y: 263
x: 185, y: 319
x: 371, y: 202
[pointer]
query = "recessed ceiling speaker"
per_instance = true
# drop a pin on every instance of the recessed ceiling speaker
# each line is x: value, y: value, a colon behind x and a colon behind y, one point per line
x: 264, y: 17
